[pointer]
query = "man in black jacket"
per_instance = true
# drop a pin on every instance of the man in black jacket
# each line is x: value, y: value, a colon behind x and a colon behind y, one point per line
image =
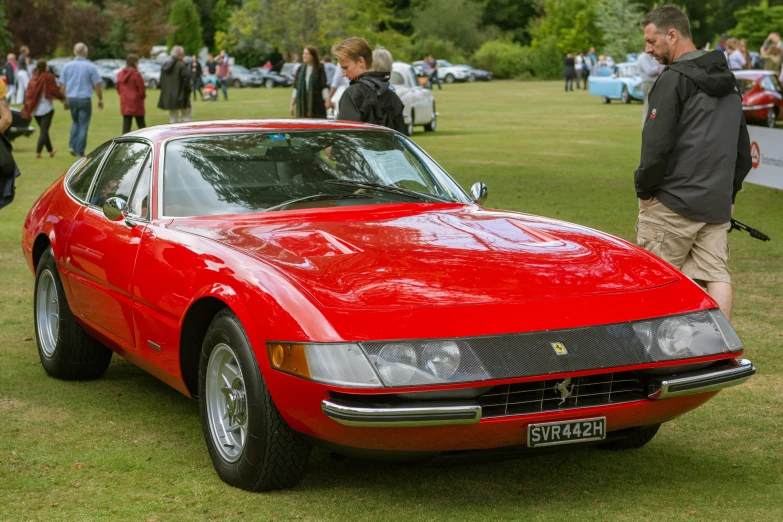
x: 695, y: 155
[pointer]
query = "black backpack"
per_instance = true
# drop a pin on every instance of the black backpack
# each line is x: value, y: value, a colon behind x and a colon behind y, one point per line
x: 383, y: 111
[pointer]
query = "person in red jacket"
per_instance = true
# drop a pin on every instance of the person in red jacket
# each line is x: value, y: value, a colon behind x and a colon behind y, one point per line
x: 39, y: 102
x: 132, y: 91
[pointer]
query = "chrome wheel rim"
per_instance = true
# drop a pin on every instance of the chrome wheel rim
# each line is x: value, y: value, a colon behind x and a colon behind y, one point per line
x: 771, y: 119
x: 434, y: 121
x: 47, y: 313
x: 226, y: 403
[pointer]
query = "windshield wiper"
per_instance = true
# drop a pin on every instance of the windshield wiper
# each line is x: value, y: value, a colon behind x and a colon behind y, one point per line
x: 316, y: 197
x: 388, y: 188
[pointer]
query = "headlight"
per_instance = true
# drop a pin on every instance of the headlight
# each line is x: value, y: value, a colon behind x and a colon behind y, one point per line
x: 340, y: 364
x: 441, y: 359
x: 686, y: 336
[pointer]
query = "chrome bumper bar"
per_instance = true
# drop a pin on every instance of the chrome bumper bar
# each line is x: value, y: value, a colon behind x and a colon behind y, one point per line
x: 706, y: 381
x: 401, y: 416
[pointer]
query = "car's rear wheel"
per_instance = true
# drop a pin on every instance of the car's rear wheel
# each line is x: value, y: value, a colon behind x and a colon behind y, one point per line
x: 605, y: 99
x: 432, y: 125
x: 269, y: 83
x: 153, y: 84
x: 410, y: 125
x: 250, y: 444
x: 66, y: 351
x: 625, y: 97
x: 236, y: 84
x: 450, y: 78
x: 636, y: 438
x: 771, y: 118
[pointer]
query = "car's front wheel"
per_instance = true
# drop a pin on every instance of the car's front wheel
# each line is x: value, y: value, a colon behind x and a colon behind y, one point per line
x: 153, y: 84
x: 250, y: 444
x: 625, y: 97
x: 66, y: 351
x: 637, y: 437
x: 771, y: 118
x: 236, y: 84
x: 410, y: 124
x: 269, y: 83
x: 450, y: 78
x: 606, y: 100
x: 432, y: 125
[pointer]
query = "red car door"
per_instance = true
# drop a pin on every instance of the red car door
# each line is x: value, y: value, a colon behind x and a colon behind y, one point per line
x: 100, y: 253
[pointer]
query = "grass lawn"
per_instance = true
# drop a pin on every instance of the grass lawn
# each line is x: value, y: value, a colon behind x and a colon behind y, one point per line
x: 128, y: 447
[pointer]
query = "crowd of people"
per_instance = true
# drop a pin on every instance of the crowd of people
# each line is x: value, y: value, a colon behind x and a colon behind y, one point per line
x: 578, y: 67
x: 769, y: 57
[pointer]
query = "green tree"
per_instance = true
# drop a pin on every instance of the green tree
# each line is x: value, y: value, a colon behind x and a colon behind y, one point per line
x: 512, y: 17
x: 620, y: 19
x: 5, y: 35
x: 755, y: 24
x: 144, y: 24
x: 506, y: 59
x: 185, y: 19
x: 572, y: 23
x: 457, y: 21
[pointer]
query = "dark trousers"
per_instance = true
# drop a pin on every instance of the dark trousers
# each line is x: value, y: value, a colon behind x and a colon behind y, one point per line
x: 197, y: 87
x: 81, y: 112
x: 127, y: 122
x: 44, y: 122
x: 223, y: 84
x: 569, y: 84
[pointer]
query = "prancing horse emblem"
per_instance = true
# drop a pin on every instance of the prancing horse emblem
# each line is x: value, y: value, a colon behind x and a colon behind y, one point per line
x: 559, y: 348
x: 563, y: 389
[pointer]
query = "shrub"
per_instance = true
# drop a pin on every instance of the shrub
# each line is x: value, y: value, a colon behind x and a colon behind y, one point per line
x: 546, y: 60
x: 504, y: 58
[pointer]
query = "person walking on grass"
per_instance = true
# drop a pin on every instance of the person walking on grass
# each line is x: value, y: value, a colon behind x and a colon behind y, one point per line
x: 22, y: 74
x: 196, y: 75
x: 10, y: 77
x: 78, y: 80
x: 569, y: 72
x: 310, y: 87
x: 695, y: 156
x: 39, y: 103
x: 223, y: 72
x: 175, y: 87
x: 132, y: 91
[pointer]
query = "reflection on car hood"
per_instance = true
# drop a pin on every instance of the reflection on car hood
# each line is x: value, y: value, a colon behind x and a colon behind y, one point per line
x: 405, y: 256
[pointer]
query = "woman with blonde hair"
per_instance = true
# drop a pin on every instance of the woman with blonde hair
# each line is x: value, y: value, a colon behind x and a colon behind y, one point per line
x: 735, y: 57
x: 743, y: 48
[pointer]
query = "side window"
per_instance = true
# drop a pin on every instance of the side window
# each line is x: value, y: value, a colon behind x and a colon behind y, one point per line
x: 413, y: 78
x: 80, y: 179
x: 139, y: 204
x: 119, y: 172
x: 396, y: 79
x: 767, y: 84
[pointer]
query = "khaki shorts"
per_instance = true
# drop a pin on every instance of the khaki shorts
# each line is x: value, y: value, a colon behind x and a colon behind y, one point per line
x: 699, y: 250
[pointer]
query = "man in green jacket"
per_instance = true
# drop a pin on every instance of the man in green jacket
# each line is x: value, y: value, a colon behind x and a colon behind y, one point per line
x: 175, y: 87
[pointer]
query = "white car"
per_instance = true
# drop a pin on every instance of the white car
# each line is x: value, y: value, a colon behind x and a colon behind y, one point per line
x: 419, y: 102
x: 448, y: 72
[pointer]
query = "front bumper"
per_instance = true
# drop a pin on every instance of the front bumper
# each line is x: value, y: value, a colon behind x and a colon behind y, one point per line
x: 352, y: 414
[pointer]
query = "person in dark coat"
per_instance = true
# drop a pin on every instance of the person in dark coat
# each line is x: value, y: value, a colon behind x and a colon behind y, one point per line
x: 368, y: 98
x: 175, y: 87
x: 196, y: 74
x: 570, y: 71
x: 132, y: 91
x: 39, y: 99
x: 310, y: 89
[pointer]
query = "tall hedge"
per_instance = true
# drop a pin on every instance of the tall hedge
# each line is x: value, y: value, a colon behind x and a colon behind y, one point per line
x: 506, y: 59
x: 184, y: 16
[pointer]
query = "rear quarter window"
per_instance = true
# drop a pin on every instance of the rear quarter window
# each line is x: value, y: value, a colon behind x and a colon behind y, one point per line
x: 80, y: 178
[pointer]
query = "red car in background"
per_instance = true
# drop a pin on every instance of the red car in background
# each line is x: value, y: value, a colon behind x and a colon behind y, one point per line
x: 329, y: 283
x: 762, y: 96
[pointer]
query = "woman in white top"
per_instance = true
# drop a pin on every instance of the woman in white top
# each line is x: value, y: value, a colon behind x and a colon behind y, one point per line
x: 39, y: 102
x: 310, y: 90
x: 735, y: 56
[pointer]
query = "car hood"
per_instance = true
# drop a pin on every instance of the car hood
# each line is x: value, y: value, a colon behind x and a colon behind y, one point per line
x: 430, y: 255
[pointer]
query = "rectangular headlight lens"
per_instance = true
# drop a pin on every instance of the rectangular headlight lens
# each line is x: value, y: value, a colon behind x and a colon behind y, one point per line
x: 339, y: 364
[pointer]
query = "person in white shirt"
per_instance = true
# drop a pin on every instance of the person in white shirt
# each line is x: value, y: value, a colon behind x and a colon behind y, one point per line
x: 734, y: 55
x: 649, y: 70
x: 579, y: 62
x: 338, y: 80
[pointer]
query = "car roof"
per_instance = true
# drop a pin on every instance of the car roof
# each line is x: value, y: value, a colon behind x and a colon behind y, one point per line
x: 160, y: 133
x: 752, y: 74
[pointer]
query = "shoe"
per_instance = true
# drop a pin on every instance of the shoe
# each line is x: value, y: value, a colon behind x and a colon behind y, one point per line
x: 73, y: 152
x: 38, y: 156
x: 51, y: 154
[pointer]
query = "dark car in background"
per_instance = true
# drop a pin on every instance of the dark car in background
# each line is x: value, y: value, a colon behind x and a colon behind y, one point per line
x: 19, y: 126
x: 474, y: 74
x: 288, y: 70
x: 240, y: 76
x: 271, y: 79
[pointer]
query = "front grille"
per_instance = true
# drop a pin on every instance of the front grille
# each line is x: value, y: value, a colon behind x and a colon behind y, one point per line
x: 538, y: 396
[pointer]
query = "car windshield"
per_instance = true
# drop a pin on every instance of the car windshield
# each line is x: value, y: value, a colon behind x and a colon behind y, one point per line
x: 288, y: 68
x: 745, y: 85
x: 256, y: 172
x: 240, y: 69
x: 624, y: 71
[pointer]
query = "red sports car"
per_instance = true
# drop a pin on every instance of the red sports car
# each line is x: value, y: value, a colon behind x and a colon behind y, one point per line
x: 762, y: 96
x: 329, y: 283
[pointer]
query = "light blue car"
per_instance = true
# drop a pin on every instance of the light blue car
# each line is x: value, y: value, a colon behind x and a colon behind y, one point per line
x: 624, y: 84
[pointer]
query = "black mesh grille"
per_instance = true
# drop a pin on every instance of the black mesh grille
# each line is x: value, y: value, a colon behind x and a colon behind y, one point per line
x: 538, y: 396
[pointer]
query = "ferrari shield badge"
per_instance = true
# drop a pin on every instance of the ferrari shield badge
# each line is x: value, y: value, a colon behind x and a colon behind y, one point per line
x: 559, y: 348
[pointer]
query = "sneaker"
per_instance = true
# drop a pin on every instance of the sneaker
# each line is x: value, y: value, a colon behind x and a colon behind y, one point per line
x: 51, y: 154
x: 73, y: 152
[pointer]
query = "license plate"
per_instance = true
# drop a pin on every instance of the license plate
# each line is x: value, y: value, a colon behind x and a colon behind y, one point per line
x: 566, y: 432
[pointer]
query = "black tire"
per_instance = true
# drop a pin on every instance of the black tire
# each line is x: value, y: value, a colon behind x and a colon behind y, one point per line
x: 274, y: 455
x: 606, y: 100
x: 637, y: 438
x: 75, y: 355
x: 771, y: 118
x: 625, y: 97
x: 433, y: 124
x: 153, y: 84
x: 472, y: 78
x: 409, y: 131
x: 450, y: 78
x: 269, y: 83
x: 236, y: 84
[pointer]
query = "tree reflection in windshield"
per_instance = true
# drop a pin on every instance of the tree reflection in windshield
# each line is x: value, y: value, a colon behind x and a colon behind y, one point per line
x: 238, y: 173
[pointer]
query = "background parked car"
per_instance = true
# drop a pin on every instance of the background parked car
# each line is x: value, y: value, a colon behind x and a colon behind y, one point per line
x: 111, y: 63
x: 150, y: 71
x: 287, y: 70
x: 762, y: 96
x: 241, y: 77
x: 447, y: 72
x: 476, y: 74
x: 19, y: 126
x: 271, y: 78
x: 624, y: 85
x: 108, y: 75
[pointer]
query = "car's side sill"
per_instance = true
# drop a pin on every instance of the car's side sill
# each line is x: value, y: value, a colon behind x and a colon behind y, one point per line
x: 401, y: 416
x: 705, y: 381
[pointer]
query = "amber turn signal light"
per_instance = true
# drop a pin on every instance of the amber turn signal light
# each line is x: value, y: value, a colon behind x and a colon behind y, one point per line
x: 289, y: 358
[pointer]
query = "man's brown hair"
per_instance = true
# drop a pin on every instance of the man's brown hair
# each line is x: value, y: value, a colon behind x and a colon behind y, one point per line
x: 353, y: 48
x: 668, y: 17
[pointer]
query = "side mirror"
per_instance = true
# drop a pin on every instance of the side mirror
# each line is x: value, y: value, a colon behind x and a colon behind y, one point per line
x: 479, y: 193
x: 115, y: 209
